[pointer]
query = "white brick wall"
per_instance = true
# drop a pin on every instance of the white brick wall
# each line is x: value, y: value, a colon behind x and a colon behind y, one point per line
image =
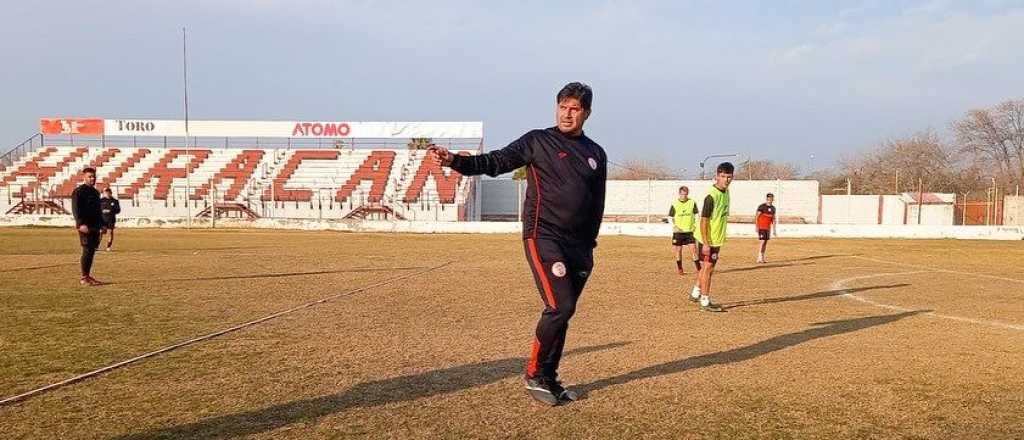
x: 794, y: 198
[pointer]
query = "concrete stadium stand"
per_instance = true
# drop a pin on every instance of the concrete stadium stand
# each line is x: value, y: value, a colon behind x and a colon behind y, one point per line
x: 743, y: 230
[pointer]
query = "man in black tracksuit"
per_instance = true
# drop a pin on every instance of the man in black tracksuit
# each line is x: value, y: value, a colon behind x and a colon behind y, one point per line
x: 85, y: 205
x: 566, y: 173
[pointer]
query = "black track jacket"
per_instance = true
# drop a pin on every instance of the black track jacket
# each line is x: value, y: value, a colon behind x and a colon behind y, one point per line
x: 565, y: 183
x: 85, y: 206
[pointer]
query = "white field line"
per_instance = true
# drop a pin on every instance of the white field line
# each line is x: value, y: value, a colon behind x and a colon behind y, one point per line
x: 934, y: 269
x: 111, y: 367
x: 841, y: 285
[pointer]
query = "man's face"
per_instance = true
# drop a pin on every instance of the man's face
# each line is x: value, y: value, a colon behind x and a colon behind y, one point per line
x: 723, y: 179
x: 770, y: 199
x: 683, y: 194
x: 571, y: 116
x: 90, y: 179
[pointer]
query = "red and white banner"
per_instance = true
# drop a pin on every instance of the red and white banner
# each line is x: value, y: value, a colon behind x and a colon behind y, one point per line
x: 72, y: 126
x: 268, y: 129
x: 294, y: 129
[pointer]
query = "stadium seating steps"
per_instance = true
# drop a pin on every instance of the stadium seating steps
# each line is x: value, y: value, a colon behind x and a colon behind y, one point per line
x: 372, y: 177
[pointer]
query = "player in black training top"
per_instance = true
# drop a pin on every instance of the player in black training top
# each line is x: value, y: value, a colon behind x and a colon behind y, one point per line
x: 562, y: 212
x: 85, y: 205
x: 110, y: 208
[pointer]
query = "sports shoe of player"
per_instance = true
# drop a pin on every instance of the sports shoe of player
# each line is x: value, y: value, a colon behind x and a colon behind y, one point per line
x: 549, y: 391
x: 708, y: 306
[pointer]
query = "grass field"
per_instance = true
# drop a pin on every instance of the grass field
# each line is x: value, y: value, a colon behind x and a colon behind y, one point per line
x: 831, y: 339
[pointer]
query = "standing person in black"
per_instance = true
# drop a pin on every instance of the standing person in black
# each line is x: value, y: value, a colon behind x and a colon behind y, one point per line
x: 562, y: 212
x: 85, y: 205
x: 110, y: 208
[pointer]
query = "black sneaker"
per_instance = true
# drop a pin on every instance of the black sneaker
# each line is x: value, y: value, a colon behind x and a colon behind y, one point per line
x: 548, y: 391
x: 564, y: 395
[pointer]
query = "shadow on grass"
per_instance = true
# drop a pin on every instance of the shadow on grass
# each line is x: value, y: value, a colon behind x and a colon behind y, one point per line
x: 760, y: 267
x: 49, y: 266
x: 804, y: 261
x: 367, y: 394
x: 156, y: 251
x: 815, y: 295
x: 267, y: 275
x: 816, y: 257
x: 820, y: 330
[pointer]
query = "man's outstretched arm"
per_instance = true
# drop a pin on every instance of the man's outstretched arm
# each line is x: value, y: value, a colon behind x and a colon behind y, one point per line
x: 505, y: 160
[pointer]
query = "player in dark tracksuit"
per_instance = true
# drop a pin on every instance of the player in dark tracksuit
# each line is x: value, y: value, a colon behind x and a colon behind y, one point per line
x: 562, y: 212
x: 85, y: 206
x: 110, y: 207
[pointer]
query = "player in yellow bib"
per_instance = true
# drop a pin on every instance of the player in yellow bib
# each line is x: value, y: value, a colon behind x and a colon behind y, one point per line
x: 683, y: 215
x: 714, y: 218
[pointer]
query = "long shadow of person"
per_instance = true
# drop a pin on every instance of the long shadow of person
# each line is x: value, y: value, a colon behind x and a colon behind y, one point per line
x: 807, y: 296
x: 760, y: 267
x: 367, y: 394
x: 270, y: 275
x: 820, y: 330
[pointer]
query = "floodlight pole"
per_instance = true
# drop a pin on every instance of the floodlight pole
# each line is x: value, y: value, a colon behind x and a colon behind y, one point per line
x: 188, y: 152
x: 712, y: 156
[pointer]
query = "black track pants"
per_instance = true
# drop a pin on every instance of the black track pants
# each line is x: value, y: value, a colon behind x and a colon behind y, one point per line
x: 560, y: 271
x: 90, y: 242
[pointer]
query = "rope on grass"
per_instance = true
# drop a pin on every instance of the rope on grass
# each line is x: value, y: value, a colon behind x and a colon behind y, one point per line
x: 108, y: 368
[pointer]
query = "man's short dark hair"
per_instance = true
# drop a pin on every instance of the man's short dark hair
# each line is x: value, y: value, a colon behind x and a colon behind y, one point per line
x: 89, y: 170
x: 770, y: 195
x: 579, y: 91
x: 684, y: 187
x: 107, y: 190
x: 725, y: 167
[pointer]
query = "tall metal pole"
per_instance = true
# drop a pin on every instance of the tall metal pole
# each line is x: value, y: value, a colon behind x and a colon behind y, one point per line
x: 188, y: 152
x: 920, y: 199
x: 963, y: 212
x: 712, y: 156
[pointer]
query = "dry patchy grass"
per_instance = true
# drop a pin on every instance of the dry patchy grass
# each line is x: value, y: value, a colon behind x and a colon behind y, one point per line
x: 932, y: 351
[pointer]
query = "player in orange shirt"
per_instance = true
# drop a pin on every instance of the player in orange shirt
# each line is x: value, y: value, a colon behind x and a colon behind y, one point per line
x: 765, y: 221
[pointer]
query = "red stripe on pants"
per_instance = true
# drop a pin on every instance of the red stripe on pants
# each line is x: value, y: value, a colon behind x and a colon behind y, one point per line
x: 541, y: 273
x: 533, y: 365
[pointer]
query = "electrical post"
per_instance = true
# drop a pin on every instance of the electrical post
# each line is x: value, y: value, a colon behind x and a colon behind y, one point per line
x: 188, y: 152
x: 213, y: 206
x: 920, y: 199
x: 712, y: 156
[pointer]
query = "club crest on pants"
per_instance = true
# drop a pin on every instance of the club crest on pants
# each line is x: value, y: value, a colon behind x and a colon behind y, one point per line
x: 558, y: 269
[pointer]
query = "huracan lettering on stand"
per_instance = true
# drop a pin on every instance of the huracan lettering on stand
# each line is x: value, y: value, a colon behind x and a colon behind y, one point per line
x: 376, y: 168
x: 165, y: 175
x: 321, y: 129
x: 238, y: 170
x: 447, y: 184
x: 277, y: 192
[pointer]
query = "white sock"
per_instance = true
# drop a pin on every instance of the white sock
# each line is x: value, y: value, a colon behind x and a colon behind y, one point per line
x: 705, y: 300
x: 695, y: 293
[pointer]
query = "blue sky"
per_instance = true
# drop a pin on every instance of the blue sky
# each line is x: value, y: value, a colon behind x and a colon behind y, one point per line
x: 673, y: 80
